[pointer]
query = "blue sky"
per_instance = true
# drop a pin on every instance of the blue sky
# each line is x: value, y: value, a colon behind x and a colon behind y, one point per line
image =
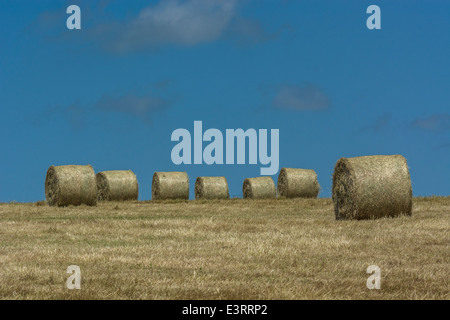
x: 112, y: 93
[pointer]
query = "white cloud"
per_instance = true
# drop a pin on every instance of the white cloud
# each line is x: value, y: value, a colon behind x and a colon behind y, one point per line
x: 434, y: 123
x: 177, y: 22
x: 167, y: 22
x: 306, y: 97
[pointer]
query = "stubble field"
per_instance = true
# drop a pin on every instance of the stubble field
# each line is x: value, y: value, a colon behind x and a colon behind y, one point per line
x: 224, y: 249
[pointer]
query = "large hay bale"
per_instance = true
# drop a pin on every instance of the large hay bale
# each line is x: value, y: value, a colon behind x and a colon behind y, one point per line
x: 117, y: 185
x: 170, y: 185
x: 71, y: 185
x: 371, y: 187
x: 259, y: 188
x: 297, y: 183
x: 211, y: 188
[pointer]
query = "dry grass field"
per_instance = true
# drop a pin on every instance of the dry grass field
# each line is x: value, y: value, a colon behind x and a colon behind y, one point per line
x: 235, y: 249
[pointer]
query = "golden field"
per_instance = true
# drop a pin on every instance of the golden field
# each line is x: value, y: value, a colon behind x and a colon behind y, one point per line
x: 223, y: 249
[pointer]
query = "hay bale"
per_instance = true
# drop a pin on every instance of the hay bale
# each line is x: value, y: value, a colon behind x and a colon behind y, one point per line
x: 71, y: 185
x: 259, y: 188
x: 170, y: 185
x: 371, y: 187
x: 297, y: 183
x: 117, y: 185
x: 211, y: 188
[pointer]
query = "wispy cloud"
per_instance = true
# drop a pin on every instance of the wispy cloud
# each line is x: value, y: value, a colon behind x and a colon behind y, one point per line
x: 300, y: 97
x: 141, y: 106
x: 183, y: 23
x: 170, y: 22
x: 434, y: 123
x: 382, y: 123
x: 249, y: 31
x: 443, y: 146
x: 74, y: 114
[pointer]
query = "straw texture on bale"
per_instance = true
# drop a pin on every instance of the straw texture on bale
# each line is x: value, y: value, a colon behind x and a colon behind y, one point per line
x: 117, y: 185
x: 297, y: 183
x: 371, y: 187
x: 211, y: 188
x: 170, y: 185
x: 71, y: 185
x: 259, y: 188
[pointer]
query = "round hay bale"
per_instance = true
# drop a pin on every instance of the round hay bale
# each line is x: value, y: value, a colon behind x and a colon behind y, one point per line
x: 297, y: 183
x: 211, y: 188
x: 117, y: 185
x: 170, y: 185
x: 259, y: 188
x: 71, y: 185
x: 371, y: 187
